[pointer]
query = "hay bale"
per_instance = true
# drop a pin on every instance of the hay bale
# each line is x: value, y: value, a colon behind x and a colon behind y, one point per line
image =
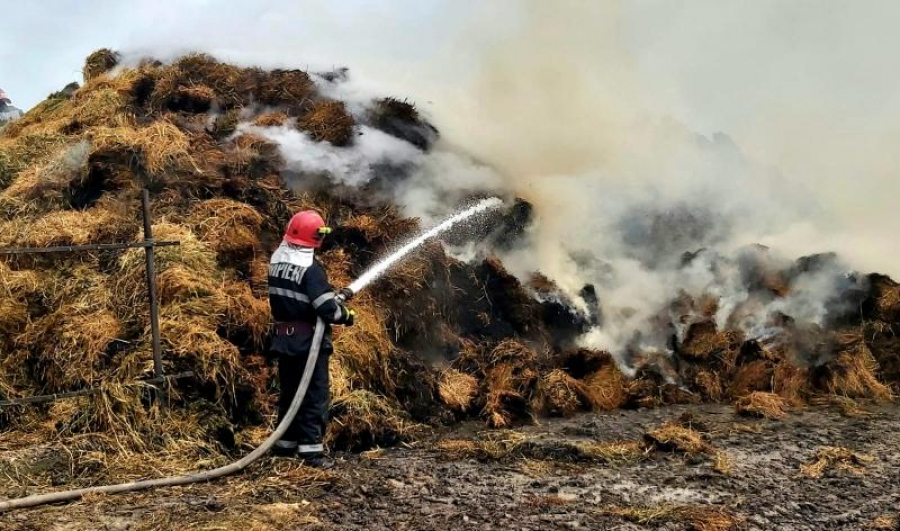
x: 229, y: 227
x: 328, y: 121
x: 760, y: 404
x: 69, y: 346
x: 195, y: 261
x: 512, y: 351
x: 362, y: 420
x: 47, y: 186
x: 339, y: 378
x: 753, y: 376
x: 853, y: 373
x: 25, y: 150
x: 558, y: 394
x: 105, y: 223
x: 364, y: 349
x: 99, y: 62
x: 457, y: 389
x: 606, y: 388
x: 837, y: 458
x: 674, y: 437
x: 401, y: 119
x: 102, y: 102
x: 710, y: 385
x: 703, y: 341
x: 790, y: 383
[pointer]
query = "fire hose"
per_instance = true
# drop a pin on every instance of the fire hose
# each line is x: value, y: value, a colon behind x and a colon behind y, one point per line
x: 197, y: 477
x: 208, y: 475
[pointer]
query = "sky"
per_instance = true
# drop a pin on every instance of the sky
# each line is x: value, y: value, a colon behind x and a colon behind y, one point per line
x: 808, y: 87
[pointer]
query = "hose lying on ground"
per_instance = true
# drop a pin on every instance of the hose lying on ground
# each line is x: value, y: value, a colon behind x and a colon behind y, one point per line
x: 197, y: 477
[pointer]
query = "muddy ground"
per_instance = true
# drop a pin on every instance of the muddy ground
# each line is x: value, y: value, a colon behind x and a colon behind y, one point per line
x: 420, y: 487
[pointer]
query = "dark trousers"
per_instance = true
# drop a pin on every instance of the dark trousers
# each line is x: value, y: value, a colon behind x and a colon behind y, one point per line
x: 308, y: 428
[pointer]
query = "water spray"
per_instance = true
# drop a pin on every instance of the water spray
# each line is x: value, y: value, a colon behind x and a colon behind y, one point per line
x: 386, y: 263
x: 208, y: 475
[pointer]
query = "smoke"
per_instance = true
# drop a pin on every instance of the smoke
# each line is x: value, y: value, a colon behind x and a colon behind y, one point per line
x: 639, y: 131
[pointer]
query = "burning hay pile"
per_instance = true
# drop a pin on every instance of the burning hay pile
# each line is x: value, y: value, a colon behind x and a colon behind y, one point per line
x: 71, y: 171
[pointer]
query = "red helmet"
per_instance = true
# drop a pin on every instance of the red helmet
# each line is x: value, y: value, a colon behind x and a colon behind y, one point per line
x: 306, y: 228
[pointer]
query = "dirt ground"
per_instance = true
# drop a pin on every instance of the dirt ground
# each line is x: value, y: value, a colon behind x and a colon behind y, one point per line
x: 423, y: 487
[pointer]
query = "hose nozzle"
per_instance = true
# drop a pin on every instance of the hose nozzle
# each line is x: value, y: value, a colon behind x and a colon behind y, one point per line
x: 345, y: 294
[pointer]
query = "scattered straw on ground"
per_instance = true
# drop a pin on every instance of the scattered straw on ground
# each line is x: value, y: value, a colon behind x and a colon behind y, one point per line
x: 671, y: 436
x: 836, y: 458
x: 699, y: 517
x: 886, y: 522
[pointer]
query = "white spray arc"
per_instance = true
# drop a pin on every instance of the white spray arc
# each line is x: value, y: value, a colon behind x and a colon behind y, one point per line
x: 386, y: 263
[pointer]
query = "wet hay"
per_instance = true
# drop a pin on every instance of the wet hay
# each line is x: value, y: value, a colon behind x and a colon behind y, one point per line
x: 837, y: 459
x: 760, y: 404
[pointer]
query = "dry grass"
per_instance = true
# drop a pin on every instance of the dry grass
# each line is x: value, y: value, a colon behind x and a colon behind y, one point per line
x: 699, y: 517
x: 761, y: 404
x: 835, y: 458
x: 613, y: 451
x: 328, y: 121
x: 886, y: 522
x: 710, y: 385
x: 493, y: 446
x: 702, y: 341
x: 457, y: 389
x: 672, y: 436
x: 853, y: 374
x: 271, y: 119
x: 722, y: 463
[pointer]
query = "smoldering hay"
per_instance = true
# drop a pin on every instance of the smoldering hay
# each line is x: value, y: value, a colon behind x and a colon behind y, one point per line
x: 663, y: 303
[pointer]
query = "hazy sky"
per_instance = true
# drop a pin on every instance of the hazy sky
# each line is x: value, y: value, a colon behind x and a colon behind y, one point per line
x: 711, y: 61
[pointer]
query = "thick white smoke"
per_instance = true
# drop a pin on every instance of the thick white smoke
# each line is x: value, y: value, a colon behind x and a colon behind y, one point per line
x: 606, y: 116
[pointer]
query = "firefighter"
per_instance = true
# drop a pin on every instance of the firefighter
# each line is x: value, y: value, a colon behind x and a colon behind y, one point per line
x: 8, y: 113
x: 299, y: 293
